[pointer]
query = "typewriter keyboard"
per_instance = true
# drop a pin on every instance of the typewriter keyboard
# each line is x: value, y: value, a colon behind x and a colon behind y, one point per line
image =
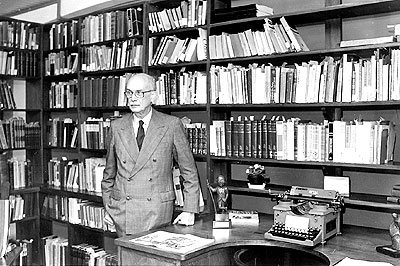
x: 281, y: 231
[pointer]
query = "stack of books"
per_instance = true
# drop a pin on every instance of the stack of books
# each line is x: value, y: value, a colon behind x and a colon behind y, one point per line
x: 395, y: 195
x: 240, y: 12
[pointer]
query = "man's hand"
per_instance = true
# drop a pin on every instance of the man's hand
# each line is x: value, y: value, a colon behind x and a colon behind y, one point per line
x: 108, y: 220
x: 185, y: 218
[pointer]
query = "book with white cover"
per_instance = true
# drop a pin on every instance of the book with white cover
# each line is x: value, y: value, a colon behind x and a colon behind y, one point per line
x: 173, y: 242
x: 368, y: 41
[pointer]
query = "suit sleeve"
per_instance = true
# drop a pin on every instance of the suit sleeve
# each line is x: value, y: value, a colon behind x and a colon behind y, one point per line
x: 110, y: 170
x: 187, y: 168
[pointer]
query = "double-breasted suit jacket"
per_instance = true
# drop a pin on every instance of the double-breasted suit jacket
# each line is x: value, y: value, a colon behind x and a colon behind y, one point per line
x: 137, y: 186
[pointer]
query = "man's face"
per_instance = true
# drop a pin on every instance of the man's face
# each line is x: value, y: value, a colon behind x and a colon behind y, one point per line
x: 139, y: 102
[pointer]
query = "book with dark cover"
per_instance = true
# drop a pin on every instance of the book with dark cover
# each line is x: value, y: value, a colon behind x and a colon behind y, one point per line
x: 254, y: 138
x: 264, y: 138
x: 235, y: 139
x: 228, y: 138
x: 247, y: 138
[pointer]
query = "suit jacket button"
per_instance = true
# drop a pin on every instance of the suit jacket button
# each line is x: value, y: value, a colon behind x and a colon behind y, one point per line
x: 154, y: 160
x: 128, y: 198
x: 148, y: 199
x: 150, y: 179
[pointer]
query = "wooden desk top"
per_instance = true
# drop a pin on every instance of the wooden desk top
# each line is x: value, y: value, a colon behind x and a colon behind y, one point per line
x: 355, y: 242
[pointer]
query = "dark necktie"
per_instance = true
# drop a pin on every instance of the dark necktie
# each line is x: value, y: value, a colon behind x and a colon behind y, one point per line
x: 140, y: 134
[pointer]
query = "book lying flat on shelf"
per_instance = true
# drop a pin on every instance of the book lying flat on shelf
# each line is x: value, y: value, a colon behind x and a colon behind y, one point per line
x: 369, y: 41
x: 172, y: 242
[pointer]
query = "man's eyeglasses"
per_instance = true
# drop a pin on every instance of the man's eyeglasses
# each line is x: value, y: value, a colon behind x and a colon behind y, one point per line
x: 138, y: 94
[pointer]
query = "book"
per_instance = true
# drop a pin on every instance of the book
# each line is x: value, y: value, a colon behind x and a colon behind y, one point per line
x: 173, y: 242
x: 240, y: 217
x: 368, y: 41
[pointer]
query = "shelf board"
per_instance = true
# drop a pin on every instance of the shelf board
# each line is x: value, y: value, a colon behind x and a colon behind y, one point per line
x: 304, y: 55
x: 370, y: 202
x: 311, y: 106
x: 111, y: 42
x: 27, y: 219
x: 108, y: 233
x: 321, y: 14
x: 381, y: 168
x: 119, y: 71
x: 26, y: 190
x: 177, y: 31
x: 72, y: 49
x: 71, y: 109
x: 182, y: 107
x: 61, y: 77
x: 179, y: 65
x: 105, y: 109
x: 21, y: 110
x: 359, y: 201
x: 47, y: 218
x: 73, y: 193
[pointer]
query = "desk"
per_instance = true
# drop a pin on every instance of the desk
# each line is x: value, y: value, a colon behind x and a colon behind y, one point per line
x: 355, y: 242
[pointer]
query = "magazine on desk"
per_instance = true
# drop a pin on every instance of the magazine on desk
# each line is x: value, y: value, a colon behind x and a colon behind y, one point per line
x: 173, y: 242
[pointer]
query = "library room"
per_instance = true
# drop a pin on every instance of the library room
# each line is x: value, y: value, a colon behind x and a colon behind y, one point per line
x: 200, y: 132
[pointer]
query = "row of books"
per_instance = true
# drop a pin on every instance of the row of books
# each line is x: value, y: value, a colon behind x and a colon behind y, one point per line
x: 364, y: 142
x: 61, y: 63
x: 197, y: 137
x: 189, y: 13
x: 7, y: 100
x: 62, y: 132
x: 70, y: 174
x: 19, y: 34
x: 121, y: 55
x: 85, y: 254
x: 63, y: 35
x: 112, y: 25
x: 25, y: 258
x: 54, y: 250
x: 21, y: 63
x: 344, y: 80
x: 172, y: 50
x: 63, y: 94
x: 103, y: 91
x: 94, y: 133
x: 182, y: 87
x: 276, y: 38
x: 20, y: 174
x: 21, y: 206
x: 16, y: 133
x: 75, y: 211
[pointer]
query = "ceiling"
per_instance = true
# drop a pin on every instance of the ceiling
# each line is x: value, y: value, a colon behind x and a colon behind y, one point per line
x: 10, y: 8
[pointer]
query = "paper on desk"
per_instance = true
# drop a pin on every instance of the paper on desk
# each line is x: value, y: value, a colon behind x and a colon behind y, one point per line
x: 178, y: 243
x: 353, y: 262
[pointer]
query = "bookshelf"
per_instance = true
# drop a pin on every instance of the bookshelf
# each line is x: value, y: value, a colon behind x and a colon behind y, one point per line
x: 20, y: 113
x: 154, y: 49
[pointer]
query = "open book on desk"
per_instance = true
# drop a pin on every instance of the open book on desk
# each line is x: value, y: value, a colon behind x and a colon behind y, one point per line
x: 172, y: 242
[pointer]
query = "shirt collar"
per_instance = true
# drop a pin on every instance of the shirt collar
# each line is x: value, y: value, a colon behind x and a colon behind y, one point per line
x: 146, y: 119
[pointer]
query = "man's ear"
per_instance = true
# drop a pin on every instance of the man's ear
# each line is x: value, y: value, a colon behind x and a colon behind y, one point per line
x: 154, y: 97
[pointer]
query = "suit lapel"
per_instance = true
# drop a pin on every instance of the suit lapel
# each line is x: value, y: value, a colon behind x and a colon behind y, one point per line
x: 154, y: 134
x: 128, y: 139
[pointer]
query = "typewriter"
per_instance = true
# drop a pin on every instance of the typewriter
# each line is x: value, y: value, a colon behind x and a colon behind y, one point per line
x: 306, y: 216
